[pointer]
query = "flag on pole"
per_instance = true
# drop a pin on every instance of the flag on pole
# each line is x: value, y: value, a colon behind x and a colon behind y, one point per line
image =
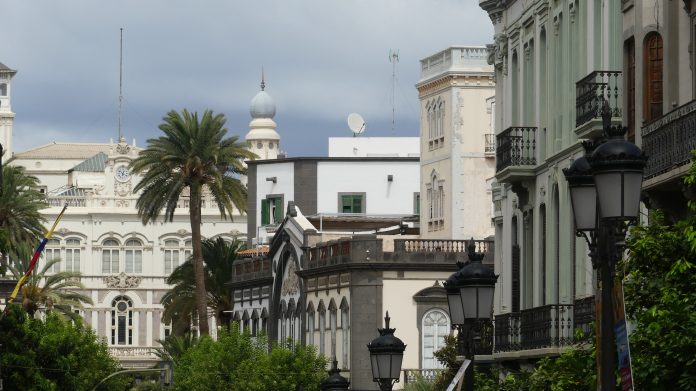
x: 34, y: 259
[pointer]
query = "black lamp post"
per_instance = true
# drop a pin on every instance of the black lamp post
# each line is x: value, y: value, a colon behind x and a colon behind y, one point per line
x: 386, y: 355
x: 335, y: 382
x: 470, y: 299
x: 605, y: 188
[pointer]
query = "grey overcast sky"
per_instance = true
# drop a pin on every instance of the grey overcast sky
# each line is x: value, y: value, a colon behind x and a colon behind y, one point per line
x: 323, y: 60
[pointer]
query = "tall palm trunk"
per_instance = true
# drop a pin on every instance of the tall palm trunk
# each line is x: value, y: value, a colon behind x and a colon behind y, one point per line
x: 201, y: 296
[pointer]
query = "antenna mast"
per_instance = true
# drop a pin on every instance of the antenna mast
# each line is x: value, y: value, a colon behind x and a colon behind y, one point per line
x: 120, y: 88
x: 393, y: 58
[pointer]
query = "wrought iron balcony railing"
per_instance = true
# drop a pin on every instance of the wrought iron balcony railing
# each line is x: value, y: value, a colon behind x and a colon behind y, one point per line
x: 584, y: 315
x: 547, y: 326
x: 507, y: 332
x: 516, y: 146
x: 669, y: 140
x: 591, y: 93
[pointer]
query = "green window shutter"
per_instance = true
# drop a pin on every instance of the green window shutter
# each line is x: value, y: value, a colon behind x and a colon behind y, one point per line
x: 357, y: 204
x: 346, y: 204
x: 265, y: 209
x: 278, y: 217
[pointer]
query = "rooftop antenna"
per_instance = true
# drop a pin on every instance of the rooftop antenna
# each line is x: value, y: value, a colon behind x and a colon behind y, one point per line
x: 120, y: 89
x: 393, y: 58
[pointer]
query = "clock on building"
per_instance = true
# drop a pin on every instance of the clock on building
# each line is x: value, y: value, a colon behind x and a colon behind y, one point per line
x: 122, y: 174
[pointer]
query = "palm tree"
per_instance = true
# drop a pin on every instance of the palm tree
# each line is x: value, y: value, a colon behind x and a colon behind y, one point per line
x: 58, y: 291
x: 21, y: 224
x: 175, y: 346
x: 179, y: 302
x: 195, y: 156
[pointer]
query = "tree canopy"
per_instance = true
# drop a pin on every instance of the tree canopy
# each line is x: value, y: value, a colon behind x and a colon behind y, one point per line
x: 236, y: 361
x: 193, y: 156
x: 53, y: 354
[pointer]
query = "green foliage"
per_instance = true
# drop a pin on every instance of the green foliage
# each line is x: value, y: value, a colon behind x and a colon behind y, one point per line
x: 21, y: 224
x: 191, y: 158
x: 180, y: 302
x: 236, y: 361
x: 447, y: 355
x: 59, y: 291
x: 53, y: 354
x: 420, y: 384
x: 660, y: 291
x: 175, y: 346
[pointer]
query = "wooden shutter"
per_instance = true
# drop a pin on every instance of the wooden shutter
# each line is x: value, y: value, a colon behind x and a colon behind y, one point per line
x: 265, y: 212
x: 653, y: 77
x: 278, y: 212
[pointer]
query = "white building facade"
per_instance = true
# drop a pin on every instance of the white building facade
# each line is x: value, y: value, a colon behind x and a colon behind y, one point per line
x: 457, y: 143
x: 556, y: 63
x: 6, y: 114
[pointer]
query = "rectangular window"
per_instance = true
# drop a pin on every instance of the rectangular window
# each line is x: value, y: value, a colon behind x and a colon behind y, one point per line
x: 134, y: 261
x: 351, y: 202
x: 121, y: 330
x: 171, y: 261
x: 416, y: 203
x: 72, y: 260
x: 109, y: 261
x: 272, y: 210
x: 51, y: 254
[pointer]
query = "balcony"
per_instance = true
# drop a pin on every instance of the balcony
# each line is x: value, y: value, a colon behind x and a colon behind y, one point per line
x: 584, y: 315
x: 413, y: 375
x: 668, y: 142
x: 544, y: 327
x: 592, y: 92
x: 515, y: 154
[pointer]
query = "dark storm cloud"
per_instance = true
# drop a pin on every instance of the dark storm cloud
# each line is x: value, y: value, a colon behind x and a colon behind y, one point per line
x: 323, y: 60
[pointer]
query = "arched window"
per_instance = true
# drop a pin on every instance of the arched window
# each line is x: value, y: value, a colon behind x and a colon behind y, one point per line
x: 72, y: 255
x: 333, y: 324
x: 441, y: 120
x: 310, y: 325
x: 171, y: 256
x: 110, y: 256
x: 52, y: 252
x: 345, y: 332
x: 134, y: 256
x: 322, y: 327
x: 122, y: 321
x: 652, y: 96
x: 436, y: 325
x: 188, y: 250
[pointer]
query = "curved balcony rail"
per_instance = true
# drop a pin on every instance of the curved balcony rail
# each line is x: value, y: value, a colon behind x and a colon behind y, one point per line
x: 669, y: 140
x: 584, y: 315
x: 507, y: 332
x: 592, y: 91
x: 547, y: 326
x: 516, y: 146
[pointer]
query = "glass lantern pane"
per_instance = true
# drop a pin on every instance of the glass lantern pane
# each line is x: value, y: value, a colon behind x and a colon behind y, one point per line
x: 485, y: 301
x: 375, y: 368
x: 584, y: 199
x: 384, y: 365
x: 396, y: 359
x: 609, y: 191
x: 632, y: 186
x: 469, y: 302
x: 455, y: 308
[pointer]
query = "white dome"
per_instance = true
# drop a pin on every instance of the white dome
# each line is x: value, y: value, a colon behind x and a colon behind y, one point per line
x: 262, y: 106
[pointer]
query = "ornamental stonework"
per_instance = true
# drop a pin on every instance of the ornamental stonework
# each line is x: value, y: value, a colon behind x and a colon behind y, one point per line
x: 291, y: 283
x: 122, y: 281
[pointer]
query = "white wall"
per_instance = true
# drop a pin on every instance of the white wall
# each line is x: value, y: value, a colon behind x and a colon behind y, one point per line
x: 382, y: 197
x: 374, y: 146
x: 285, y: 184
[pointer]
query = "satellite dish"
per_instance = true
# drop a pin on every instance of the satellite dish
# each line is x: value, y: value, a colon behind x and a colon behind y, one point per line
x: 356, y: 123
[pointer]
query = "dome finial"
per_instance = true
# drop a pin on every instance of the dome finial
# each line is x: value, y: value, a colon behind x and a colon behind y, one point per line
x: 263, y: 82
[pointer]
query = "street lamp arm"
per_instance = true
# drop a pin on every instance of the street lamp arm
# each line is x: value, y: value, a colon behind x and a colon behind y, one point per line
x: 128, y: 371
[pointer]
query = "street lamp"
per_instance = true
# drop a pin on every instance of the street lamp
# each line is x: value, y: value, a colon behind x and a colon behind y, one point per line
x: 604, y: 208
x: 335, y: 382
x: 470, y: 299
x: 386, y: 355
